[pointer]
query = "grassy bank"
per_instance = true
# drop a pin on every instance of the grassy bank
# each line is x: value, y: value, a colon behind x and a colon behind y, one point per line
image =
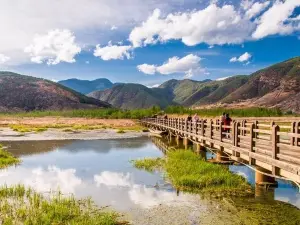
x: 141, y: 113
x: 26, y: 128
x: 7, y: 159
x: 246, y: 112
x: 190, y: 173
x: 24, y: 206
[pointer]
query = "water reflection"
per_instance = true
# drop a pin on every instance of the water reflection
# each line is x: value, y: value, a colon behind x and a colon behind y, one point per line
x: 92, y: 168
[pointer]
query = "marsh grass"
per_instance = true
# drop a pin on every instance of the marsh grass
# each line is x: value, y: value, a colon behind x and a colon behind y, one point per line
x: 148, y: 164
x: 7, y: 159
x: 188, y: 172
x: 19, y: 205
x: 121, y: 131
x: 25, y: 129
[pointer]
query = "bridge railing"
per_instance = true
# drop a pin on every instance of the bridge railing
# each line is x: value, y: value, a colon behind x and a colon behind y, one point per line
x: 278, y: 145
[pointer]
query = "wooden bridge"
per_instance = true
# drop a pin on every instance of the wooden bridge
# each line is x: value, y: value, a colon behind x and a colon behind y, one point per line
x: 272, y: 148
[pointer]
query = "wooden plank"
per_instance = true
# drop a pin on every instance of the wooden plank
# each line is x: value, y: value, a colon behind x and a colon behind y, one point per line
x: 263, y: 151
x: 288, y: 158
x: 263, y: 131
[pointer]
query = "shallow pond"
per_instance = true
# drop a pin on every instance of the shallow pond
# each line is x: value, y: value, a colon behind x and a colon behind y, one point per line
x: 102, y: 169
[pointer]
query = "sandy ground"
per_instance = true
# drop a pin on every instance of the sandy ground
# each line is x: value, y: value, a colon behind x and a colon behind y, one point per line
x: 6, y: 134
x: 39, y: 121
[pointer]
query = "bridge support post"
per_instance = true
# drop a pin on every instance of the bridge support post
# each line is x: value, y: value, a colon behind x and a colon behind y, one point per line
x: 178, y: 141
x: 186, y: 143
x: 221, y: 156
x: 261, y: 179
x: 200, y: 150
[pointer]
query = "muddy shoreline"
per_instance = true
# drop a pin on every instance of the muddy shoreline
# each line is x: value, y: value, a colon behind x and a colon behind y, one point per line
x: 6, y: 134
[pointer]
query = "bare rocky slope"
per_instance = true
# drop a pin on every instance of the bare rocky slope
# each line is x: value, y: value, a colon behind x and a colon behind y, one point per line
x: 25, y: 93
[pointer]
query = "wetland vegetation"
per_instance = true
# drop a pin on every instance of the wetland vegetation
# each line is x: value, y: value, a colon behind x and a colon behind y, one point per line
x: 7, y: 159
x: 188, y: 172
x: 19, y: 205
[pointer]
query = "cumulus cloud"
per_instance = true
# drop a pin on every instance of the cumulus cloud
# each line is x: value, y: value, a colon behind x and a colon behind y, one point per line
x: 112, y: 179
x: 3, y: 58
x: 147, y: 69
x: 21, y: 20
x: 189, y: 65
x: 242, y: 58
x: 212, y: 25
x: 54, y: 47
x: 256, y: 8
x: 223, y: 78
x: 276, y: 20
x: 110, y: 52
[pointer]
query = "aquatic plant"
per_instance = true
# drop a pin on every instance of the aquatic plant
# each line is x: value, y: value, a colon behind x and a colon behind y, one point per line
x: 19, y: 205
x: 149, y: 164
x: 189, y: 172
x: 7, y: 159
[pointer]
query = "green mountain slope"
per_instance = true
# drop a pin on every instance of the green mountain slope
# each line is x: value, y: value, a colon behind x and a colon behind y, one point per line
x: 132, y: 96
x: 87, y: 86
x: 19, y: 93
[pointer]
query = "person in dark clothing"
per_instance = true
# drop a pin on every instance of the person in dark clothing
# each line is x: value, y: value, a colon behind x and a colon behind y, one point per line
x: 227, y: 122
x: 189, y: 118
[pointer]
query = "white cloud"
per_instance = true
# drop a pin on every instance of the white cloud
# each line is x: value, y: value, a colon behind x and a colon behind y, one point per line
x: 147, y: 69
x: 257, y: 8
x: 189, y: 65
x: 110, y: 52
x: 112, y: 179
x: 212, y: 25
x: 87, y: 62
x: 223, y: 78
x: 21, y: 20
x: 54, y: 47
x: 114, y: 28
x: 243, y: 58
x: 3, y: 58
x: 276, y: 20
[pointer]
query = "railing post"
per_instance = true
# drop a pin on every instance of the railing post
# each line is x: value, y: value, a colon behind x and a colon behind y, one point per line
x: 255, y: 127
x: 220, y: 129
x: 185, y: 126
x: 202, y: 127
x: 233, y: 133
x: 251, y: 161
x: 211, y: 129
x: 297, y: 127
x: 275, y: 140
x: 196, y: 127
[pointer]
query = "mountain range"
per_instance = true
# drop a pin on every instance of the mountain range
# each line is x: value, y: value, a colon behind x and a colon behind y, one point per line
x: 87, y: 86
x: 25, y: 93
x: 275, y: 86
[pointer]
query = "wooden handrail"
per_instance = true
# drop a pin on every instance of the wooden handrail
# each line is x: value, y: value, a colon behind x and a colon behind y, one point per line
x: 261, y: 147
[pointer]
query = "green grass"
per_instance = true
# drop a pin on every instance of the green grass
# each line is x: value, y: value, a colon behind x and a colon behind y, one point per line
x: 7, y: 159
x: 149, y: 164
x: 246, y: 112
x: 188, y: 172
x: 91, y: 113
x: 142, y: 113
x: 24, y: 206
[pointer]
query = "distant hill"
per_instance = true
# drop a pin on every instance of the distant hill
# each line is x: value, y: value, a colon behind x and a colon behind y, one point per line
x: 25, y: 93
x: 133, y: 96
x: 275, y: 86
x: 87, y: 86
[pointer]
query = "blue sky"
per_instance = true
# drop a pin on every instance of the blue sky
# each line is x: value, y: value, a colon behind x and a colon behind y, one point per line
x: 147, y: 42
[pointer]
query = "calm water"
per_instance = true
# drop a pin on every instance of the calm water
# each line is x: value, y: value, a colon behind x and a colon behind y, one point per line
x: 102, y: 169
